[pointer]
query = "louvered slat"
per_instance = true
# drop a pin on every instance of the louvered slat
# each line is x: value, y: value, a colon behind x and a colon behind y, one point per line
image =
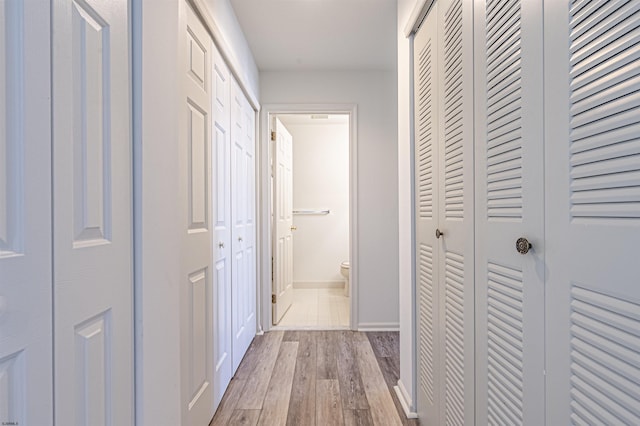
x: 424, y: 139
x: 605, y: 369
x: 426, y: 320
x: 505, y: 345
x: 605, y: 110
x: 504, y: 111
x: 454, y: 338
x: 453, y: 103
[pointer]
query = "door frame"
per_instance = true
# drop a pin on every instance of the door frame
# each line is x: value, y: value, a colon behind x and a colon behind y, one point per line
x: 264, y: 203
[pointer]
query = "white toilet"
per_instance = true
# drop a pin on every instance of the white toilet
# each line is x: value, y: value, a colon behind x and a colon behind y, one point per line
x: 344, y: 270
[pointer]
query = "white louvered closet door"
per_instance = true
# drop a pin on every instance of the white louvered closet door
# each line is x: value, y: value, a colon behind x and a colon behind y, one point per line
x: 592, y: 157
x: 510, y: 205
x: 426, y: 191
x: 455, y: 209
x: 443, y: 55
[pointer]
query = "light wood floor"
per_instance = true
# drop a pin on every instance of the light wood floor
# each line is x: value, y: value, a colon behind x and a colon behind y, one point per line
x: 316, y: 378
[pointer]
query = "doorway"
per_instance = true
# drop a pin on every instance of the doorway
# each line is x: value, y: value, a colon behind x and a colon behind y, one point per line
x: 309, y: 160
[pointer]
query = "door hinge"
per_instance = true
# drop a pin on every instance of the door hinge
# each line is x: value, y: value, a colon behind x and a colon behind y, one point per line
x: 273, y: 136
x: 272, y: 271
x: 273, y: 298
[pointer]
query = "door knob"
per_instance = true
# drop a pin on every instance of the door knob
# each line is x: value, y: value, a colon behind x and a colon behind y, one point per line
x: 294, y: 228
x: 523, y: 245
x: 439, y: 234
x: 220, y: 244
x: 240, y: 239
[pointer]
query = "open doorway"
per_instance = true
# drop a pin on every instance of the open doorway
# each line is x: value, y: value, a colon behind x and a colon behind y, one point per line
x: 310, y: 220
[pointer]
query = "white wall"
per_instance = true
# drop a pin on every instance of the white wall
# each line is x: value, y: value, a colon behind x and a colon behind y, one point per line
x: 157, y: 231
x: 375, y: 94
x: 320, y: 181
x: 405, y: 276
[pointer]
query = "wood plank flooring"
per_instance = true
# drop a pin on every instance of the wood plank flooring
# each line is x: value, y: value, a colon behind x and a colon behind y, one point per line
x: 316, y: 378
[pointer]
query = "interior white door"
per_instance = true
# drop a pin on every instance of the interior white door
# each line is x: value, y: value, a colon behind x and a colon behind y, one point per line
x: 592, y: 159
x: 196, y: 255
x: 510, y: 205
x: 456, y: 210
x: 444, y: 156
x: 222, y: 224
x: 283, y: 221
x: 426, y: 149
x: 92, y: 184
x: 26, y: 370
x: 243, y: 218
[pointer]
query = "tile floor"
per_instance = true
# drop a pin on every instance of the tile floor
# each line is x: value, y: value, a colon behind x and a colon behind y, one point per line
x: 317, y: 308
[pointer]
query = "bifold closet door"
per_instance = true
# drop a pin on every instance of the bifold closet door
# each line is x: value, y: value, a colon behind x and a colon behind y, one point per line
x: 196, y: 298
x: 243, y: 234
x: 92, y: 212
x: 592, y: 161
x: 222, y: 226
x: 426, y: 192
x: 443, y: 60
x: 26, y: 369
x: 510, y: 205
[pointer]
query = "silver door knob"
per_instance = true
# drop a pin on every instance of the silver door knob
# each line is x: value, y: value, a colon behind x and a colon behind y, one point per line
x: 439, y: 234
x: 240, y: 239
x: 220, y: 244
x: 523, y: 245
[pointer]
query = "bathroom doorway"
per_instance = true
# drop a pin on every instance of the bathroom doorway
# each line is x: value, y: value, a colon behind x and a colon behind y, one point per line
x: 310, y: 157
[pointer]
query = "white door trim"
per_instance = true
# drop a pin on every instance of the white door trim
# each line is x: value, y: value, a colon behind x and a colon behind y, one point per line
x: 264, y: 229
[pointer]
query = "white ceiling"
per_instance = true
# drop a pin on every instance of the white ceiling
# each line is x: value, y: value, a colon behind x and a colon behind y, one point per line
x: 336, y: 35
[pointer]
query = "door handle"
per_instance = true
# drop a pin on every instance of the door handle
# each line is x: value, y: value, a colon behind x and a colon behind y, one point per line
x: 220, y: 244
x: 523, y: 245
x: 294, y: 228
x: 439, y: 234
x: 240, y: 239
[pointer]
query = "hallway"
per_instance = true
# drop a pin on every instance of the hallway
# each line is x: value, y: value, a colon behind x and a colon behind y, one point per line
x: 316, y: 378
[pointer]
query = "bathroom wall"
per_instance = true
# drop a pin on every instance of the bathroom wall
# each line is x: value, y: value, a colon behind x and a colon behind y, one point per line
x: 320, y: 181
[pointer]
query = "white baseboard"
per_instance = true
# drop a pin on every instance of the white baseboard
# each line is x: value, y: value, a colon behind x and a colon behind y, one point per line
x: 318, y: 284
x: 378, y: 326
x: 405, y: 400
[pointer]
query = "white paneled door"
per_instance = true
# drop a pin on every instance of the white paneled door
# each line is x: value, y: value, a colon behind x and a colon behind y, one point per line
x: 25, y: 214
x: 444, y: 164
x: 510, y: 205
x: 243, y: 241
x: 283, y: 221
x: 92, y: 213
x: 196, y: 300
x: 222, y: 225
x: 592, y: 158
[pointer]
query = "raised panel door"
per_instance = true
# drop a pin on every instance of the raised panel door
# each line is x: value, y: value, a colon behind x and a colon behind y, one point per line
x: 243, y: 294
x: 92, y: 184
x: 221, y: 211
x: 283, y: 217
x: 26, y: 369
x: 197, y: 273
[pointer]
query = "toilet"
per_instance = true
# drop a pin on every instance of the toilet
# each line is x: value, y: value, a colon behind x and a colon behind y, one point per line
x: 344, y: 270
